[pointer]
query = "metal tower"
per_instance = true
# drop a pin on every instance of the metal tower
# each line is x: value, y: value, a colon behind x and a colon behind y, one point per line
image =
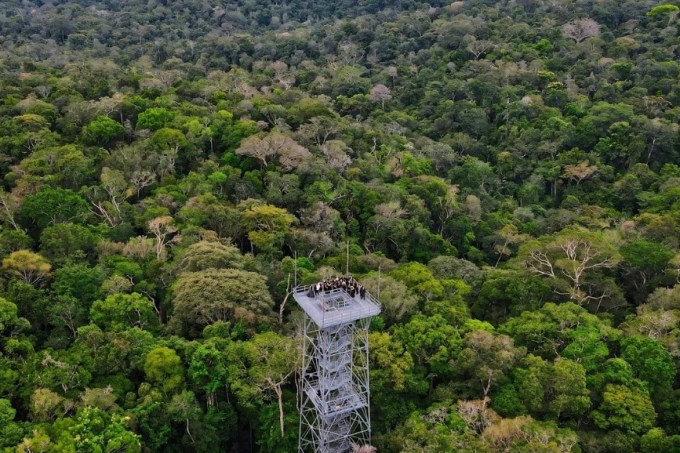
x: 334, y: 391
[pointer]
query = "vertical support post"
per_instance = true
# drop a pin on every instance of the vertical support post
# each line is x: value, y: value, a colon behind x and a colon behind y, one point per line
x: 295, y: 268
x: 301, y: 384
x: 366, y: 323
x: 379, y: 268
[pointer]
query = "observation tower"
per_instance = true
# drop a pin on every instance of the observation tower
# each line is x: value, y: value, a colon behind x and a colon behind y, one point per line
x: 334, y: 392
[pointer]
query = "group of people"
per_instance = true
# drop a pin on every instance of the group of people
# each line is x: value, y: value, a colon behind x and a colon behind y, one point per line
x: 348, y: 284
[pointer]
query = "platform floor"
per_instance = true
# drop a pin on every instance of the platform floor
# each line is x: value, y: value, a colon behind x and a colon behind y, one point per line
x: 335, y: 307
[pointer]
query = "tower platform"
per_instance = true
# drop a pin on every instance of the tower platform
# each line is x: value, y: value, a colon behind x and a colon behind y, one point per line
x: 336, y: 306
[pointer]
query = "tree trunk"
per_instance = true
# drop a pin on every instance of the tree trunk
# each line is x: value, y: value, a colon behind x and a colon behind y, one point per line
x: 285, y: 299
x: 279, y: 396
x: 500, y: 254
x: 651, y: 149
x: 189, y: 432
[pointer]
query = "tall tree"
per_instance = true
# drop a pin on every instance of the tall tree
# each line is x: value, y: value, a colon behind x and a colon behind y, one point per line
x: 261, y: 365
x: 575, y: 260
x: 206, y: 297
x: 29, y: 266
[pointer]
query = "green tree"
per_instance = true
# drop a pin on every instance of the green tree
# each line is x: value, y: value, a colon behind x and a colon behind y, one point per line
x: 206, y: 211
x: 662, y: 10
x: 571, y: 397
x: 262, y: 365
x: 67, y: 240
x: 397, y: 386
x: 505, y: 293
x: 122, y: 311
x: 103, y: 131
x: 627, y: 408
x: 154, y: 118
x: 163, y: 367
x: 208, y: 371
x: 419, y: 279
x: 92, y: 431
x: 13, y: 240
x: 65, y: 166
x: 486, y: 358
x: 432, y: 342
x: 548, y: 331
x: 168, y: 140
x: 651, y: 363
x: 52, y: 206
x: 151, y: 417
x: 589, y: 348
x: 397, y: 301
x: 533, y: 378
x: 206, y: 255
x: 184, y: 408
x: 10, y: 431
x: 268, y: 426
x: 213, y: 295
x: 267, y: 226
x: 438, y: 428
x: 67, y: 312
x: 656, y: 440
x: 11, y: 325
x: 79, y: 281
x: 643, y: 263
x: 613, y: 371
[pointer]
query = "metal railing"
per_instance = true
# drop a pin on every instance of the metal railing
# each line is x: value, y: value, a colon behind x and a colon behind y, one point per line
x: 305, y: 289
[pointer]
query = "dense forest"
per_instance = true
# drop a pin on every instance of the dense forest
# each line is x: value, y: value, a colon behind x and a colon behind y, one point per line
x: 170, y: 169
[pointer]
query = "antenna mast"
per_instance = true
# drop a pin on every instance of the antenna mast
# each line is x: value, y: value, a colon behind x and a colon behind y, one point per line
x: 379, y: 268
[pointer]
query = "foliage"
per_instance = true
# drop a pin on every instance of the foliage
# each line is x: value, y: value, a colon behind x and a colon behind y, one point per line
x: 122, y: 311
x: 103, y: 131
x: 213, y: 295
x: 651, y: 362
x: 27, y: 265
x: 504, y: 175
x: 52, y: 206
x: 205, y: 255
x: 625, y: 408
x: 163, y: 367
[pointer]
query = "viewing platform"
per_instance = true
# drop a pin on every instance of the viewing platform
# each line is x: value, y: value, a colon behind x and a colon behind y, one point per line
x: 335, y: 306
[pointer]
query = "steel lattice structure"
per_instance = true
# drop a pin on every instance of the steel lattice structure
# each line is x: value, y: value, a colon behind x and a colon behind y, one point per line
x: 334, y: 391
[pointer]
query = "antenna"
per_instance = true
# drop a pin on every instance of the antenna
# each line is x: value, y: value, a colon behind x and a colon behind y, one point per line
x: 379, y: 268
x: 347, y: 260
x: 295, y: 269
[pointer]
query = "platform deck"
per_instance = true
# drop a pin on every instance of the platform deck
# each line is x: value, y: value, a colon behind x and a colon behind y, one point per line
x: 335, y: 307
